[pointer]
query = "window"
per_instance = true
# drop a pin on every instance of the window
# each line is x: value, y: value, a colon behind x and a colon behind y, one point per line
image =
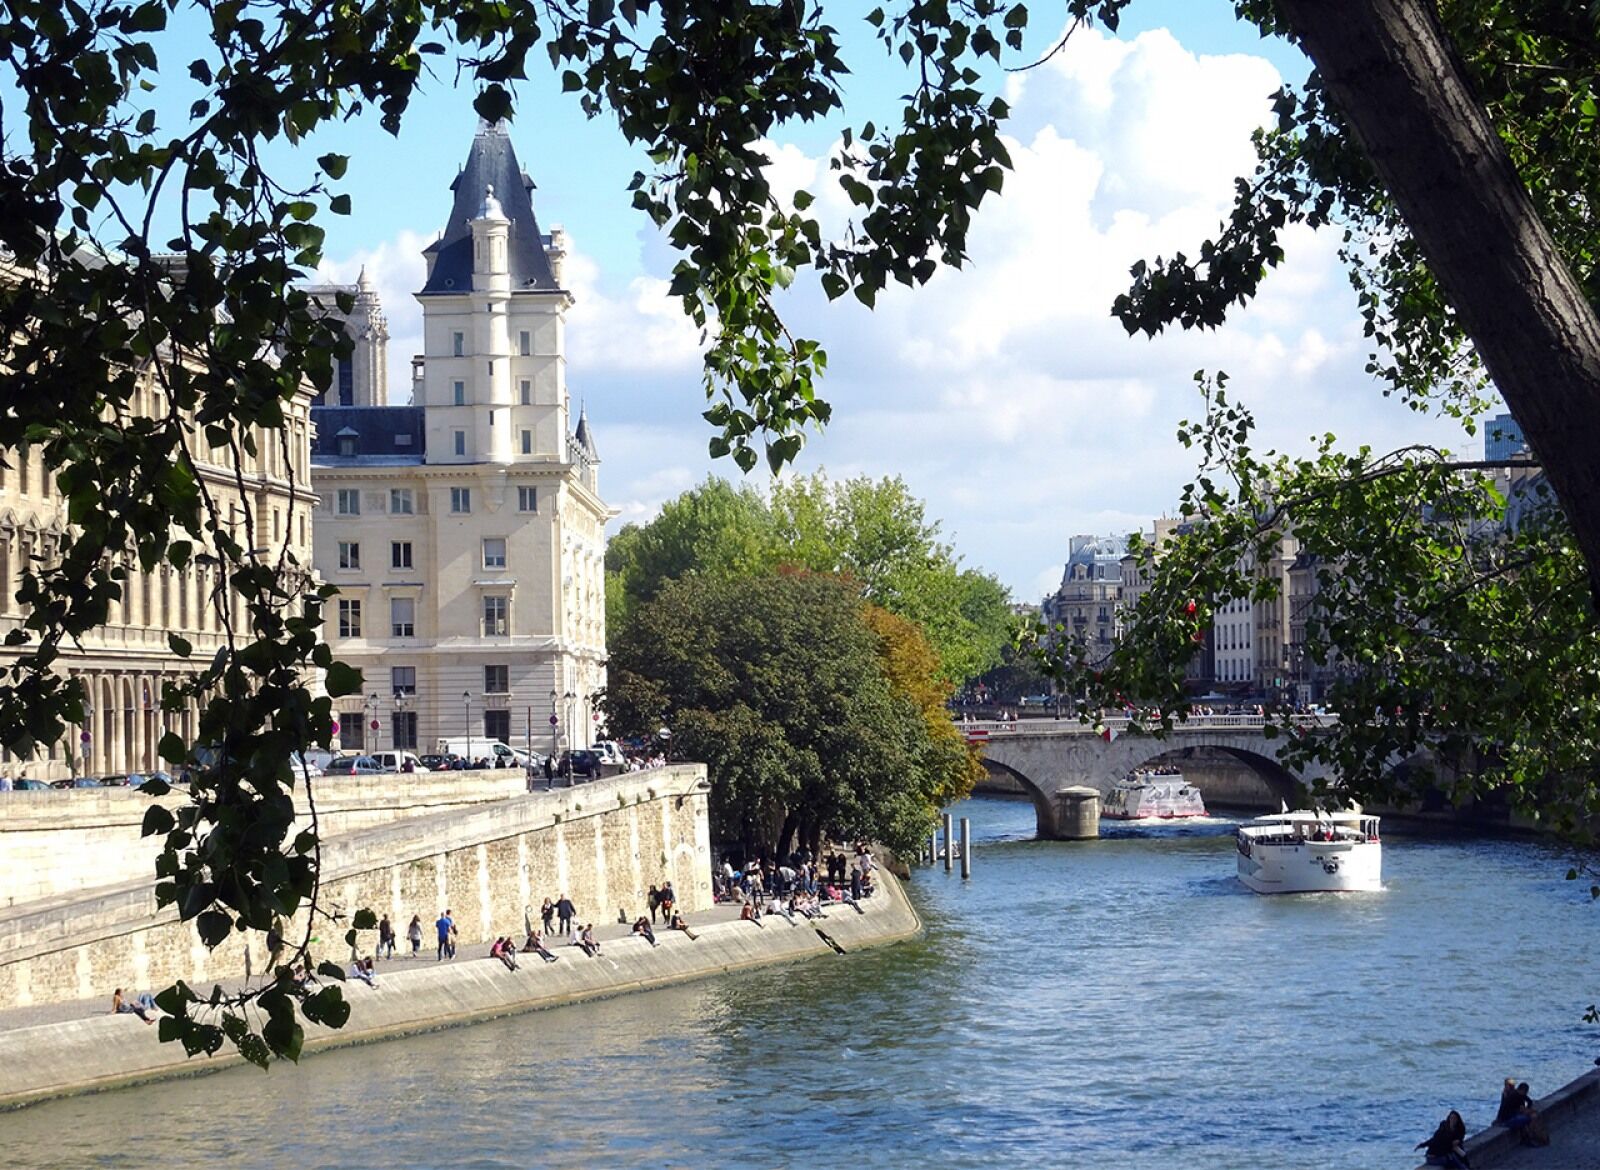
x: 524, y: 343
x: 494, y: 552
x: 497, y: 680
x: 460, y: 500
x: 349, y: 554
x: 352, y: 731
x: 402, y: 617
x: 527, y: 442
x: 403, y: 680
x: 461, y: 442
x: 495, y: 611
x: 349, y: 619
x: 525, y: 392
x: 405, y: 730
x: 458, y: 393
x: 458, y: 344
x: 347, y: 502
x: 347, y: 446
x: 400, y: 501
x: 400, y: 554
x: 527, y: 498
x: 497, y: 725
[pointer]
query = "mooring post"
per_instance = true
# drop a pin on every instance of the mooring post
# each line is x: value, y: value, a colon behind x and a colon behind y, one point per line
x: 966, y: 847
x: 949, y: 843
x: 933, y: 847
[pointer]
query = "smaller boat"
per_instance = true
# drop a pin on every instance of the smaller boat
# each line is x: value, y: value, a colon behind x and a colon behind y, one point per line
x: 1152, y: 795
x: 1311, y: 852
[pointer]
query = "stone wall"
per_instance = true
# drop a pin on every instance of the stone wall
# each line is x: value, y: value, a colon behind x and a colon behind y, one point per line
x: 601, y: 843
x: 102, y: 1050
x: 61, y: 842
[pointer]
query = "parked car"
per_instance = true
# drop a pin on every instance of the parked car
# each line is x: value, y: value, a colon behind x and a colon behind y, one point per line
x: 76, y: 782
x: 31, y: 785
x: 611, y: 752
x: 435, y: 762
x: 581, y: 762
x: 353, y: 766
x: 395, y: 761
x: 129, y: 780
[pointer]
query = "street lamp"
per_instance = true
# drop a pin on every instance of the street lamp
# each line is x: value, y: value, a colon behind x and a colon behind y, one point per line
x: 566, y: 702
x: 373, y: 703
x: 665, y: 735
x: 402, y: 701
x: 466, y: 717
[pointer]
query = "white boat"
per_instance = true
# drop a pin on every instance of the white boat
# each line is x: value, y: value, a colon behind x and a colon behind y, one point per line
x: 1306, y: 852
x: 1162, y: 795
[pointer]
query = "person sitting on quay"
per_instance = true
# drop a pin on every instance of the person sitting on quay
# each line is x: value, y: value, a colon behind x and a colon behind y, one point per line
x: 366, y: 971
x: 750, y: 912
x: 641, y: 927
x: 1445, y: 1147
x: 1511, y: 1102
x: 1524, y: 1119
x: 679, y: 924
x: 535, y: 945
x: 143, y: 1005
x: 585, y: 941
x: 506, y: 951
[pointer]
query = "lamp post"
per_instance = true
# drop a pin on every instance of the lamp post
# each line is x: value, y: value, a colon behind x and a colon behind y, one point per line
x: 373, y: 703
x: 401, y: 702
x: 466, y: 717
x: 566, y: 702
x: 665, y: 736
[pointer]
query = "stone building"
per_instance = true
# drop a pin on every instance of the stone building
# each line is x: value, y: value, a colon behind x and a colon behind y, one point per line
x: 1084, y: 608
x: 124, y: 663
x: 362, y: 379
x: 465, y: 532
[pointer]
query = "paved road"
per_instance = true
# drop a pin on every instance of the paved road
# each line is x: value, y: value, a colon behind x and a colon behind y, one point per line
x: 1574, y: 1145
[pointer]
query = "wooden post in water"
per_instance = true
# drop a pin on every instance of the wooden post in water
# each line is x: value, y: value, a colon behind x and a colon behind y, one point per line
x: 949, y: 843
x: 966, y: 847
x: 933, y: 847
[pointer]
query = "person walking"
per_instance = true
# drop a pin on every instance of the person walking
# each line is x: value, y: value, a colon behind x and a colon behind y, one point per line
x: 547, y: 914
x: 385, y: 937
x: 668, y: 898
x: 446, y: 926
x: 414, y: 933
x: 564, y: 912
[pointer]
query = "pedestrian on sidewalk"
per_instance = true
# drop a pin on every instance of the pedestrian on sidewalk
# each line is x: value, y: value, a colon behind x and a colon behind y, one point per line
x: 564, y: 913
x: 446, y: 926
x: 385, y: 937
x: 547, y: 913
x: 414, y: 933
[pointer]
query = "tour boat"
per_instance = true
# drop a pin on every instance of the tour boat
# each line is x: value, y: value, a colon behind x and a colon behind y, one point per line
x: 1306, y: 852
x: 1161, y: 795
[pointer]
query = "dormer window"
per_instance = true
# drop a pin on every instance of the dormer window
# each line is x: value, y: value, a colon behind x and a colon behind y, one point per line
x: 348, y: 441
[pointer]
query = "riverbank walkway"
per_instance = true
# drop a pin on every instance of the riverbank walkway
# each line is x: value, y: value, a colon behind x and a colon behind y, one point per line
x: 1572, y: 1117
x: 612, y: 934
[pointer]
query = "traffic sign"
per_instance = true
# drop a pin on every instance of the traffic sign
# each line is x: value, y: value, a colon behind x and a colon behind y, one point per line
x: 554, y: 721
x: 374, y: 725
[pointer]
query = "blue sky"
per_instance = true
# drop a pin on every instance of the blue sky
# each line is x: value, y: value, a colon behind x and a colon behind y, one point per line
x: 1004, y: 393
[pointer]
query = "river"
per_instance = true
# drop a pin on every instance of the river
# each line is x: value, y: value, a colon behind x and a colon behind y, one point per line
x: 1120, y: 1003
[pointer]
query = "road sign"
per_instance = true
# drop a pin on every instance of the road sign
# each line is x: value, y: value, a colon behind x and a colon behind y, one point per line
x: 374, y: 725
x: 83, y: 737
x: 554, y: 721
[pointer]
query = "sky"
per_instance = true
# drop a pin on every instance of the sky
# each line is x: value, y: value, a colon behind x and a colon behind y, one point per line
x: 1004, y: 393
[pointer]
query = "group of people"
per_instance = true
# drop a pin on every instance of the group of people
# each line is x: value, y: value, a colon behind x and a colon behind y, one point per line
x: 799, y: 885
x: 1448, y: 1144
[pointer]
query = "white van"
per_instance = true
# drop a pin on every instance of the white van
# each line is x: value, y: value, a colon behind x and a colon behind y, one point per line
x: 396, y: 761
x: 477, y: 747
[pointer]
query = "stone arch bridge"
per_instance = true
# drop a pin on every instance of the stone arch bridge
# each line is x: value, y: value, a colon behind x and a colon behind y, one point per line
x: 1046, y: 757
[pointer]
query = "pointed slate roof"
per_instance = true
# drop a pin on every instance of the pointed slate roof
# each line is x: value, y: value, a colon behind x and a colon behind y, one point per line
x: 585, y: 437
x: 490, y: 163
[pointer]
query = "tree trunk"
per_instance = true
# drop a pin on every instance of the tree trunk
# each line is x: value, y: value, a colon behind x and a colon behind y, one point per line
x: 1395, y: 77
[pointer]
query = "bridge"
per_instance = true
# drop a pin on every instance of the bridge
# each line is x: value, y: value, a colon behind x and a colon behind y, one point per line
x: 1047, y: 756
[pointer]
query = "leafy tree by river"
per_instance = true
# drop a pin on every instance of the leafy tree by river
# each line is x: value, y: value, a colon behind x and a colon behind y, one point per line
x: 871, y: 532
x: 816, y: 712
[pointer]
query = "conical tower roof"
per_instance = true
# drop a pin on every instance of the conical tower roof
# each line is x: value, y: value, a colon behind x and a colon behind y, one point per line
x: 492, y: 162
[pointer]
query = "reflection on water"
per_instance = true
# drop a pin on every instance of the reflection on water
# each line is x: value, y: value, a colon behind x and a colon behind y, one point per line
x: 1122, y: 1002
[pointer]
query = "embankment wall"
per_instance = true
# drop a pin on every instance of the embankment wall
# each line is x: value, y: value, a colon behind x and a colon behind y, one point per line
x: 103, y: 1051
x: 601, y: 843
x: 58, y: 843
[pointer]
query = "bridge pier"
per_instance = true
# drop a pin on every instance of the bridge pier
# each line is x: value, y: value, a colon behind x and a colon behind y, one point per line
x: 1077, y: 813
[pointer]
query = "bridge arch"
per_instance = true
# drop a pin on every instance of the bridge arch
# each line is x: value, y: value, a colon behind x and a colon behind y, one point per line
x: 1044, y: 805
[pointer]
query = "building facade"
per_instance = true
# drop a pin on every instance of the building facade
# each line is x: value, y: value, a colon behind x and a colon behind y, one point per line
x: 1084, y: 609
x: 465, y: 532
x: 123, y: 664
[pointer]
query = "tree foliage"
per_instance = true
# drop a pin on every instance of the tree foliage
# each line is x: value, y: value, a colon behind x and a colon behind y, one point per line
x: 871, y: 532
x: 816, y: 714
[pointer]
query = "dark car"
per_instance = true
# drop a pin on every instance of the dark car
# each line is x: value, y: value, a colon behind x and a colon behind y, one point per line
x: 437, y: 763
x: 31, y: 785
x: 580, y: 762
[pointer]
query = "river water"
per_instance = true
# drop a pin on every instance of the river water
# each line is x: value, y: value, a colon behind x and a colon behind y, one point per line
x: 1120, y: 1003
